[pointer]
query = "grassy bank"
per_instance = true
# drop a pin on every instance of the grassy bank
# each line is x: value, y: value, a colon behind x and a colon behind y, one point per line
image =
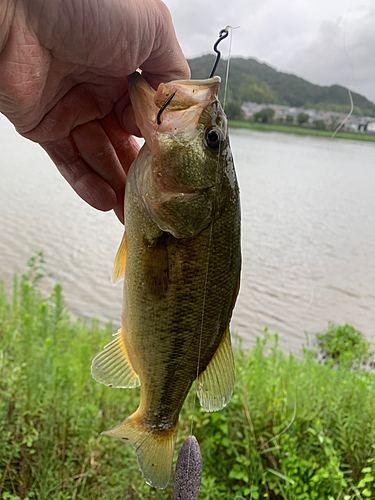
x: 295, y: 428
x: 301, y: 131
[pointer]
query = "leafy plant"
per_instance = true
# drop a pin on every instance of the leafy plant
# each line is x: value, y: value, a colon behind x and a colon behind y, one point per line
x: 343, y: 343
x: 295, y: 428
x: 320, y: 124
x: 36, y: 268
x: 302, y: 118
x: 234, y: 111
x: 265, y: 115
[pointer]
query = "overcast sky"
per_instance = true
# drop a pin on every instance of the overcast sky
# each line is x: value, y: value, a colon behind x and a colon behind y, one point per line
x: 323, y: 41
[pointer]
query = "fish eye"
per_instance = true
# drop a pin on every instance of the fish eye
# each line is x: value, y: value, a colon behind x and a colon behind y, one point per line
x: 212, y: 137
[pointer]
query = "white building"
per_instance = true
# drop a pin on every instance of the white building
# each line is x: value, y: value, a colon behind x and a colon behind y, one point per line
x: 331, y: 118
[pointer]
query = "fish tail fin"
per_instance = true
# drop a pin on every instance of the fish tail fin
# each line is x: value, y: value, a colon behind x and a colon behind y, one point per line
x: 154, y: 448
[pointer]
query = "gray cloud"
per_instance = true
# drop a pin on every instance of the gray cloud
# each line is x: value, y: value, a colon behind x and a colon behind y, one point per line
x: 341, y: 53
x: 305, y: 38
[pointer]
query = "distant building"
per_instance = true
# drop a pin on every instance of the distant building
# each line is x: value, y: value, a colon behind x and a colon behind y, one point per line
x: 354, y: 123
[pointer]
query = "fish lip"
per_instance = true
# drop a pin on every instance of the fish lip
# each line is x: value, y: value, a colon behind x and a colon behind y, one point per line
x: 141, y: 97
x: 190, y: 95
x: 137, y: 82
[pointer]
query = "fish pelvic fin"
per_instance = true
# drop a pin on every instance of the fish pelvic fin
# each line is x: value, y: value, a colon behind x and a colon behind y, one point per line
x: 118, y: 272
x: 215, y: 384
x: 112, y: 367
x: 154, y: 448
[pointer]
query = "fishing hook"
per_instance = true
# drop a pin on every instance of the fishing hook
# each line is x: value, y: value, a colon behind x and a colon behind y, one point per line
x: 222, y: 34
x: 158, y: 120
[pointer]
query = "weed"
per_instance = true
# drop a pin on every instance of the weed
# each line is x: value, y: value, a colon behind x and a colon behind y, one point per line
x: 344, y: 344
x: 295, y: 428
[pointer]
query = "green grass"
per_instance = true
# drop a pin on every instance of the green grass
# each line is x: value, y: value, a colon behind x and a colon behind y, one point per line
x: 295, y: 428
x: 355, y: 136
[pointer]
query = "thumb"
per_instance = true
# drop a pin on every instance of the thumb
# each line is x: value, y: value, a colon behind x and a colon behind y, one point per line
x: 166, y: 61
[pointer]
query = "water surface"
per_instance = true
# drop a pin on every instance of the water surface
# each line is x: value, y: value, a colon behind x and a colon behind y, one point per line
x: 308, y: 209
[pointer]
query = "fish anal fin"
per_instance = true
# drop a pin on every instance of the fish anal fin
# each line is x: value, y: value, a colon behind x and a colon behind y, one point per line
x: 111, y: 366
x: 215, y: 384
x: 118, y: 272
x: 154, y: 448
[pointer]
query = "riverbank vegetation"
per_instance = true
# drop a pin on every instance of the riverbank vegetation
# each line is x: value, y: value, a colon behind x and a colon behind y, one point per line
x: 298, y: 427
x: 268, y: 127
x: 251, y: 82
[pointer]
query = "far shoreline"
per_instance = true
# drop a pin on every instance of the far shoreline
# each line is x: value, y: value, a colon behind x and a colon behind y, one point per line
x: 353, y: 136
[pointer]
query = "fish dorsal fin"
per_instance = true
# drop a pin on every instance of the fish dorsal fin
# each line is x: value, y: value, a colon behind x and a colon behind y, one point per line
x: 118, y: 272
x: 111, y: 366
x: 215, y: 384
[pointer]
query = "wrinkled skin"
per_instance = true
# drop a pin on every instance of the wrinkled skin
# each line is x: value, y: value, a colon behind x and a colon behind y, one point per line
x: 63, y: 82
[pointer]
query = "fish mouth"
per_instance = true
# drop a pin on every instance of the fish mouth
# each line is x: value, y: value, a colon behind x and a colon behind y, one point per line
x: 182, y: 113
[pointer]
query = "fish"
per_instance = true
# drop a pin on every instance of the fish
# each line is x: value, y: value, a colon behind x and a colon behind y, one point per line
x: 180, y: 259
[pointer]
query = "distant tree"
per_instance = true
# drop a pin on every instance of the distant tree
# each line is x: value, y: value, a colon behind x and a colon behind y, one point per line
x: 256, y: 91
x: 289, y: 119
x: 320, y: 124
x: 302, y: 118
x: 265, y: 115
x: 234, y: 111
x: 251, y: 80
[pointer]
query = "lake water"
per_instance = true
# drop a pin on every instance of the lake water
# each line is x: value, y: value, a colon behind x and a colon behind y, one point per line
x: 308, y: 211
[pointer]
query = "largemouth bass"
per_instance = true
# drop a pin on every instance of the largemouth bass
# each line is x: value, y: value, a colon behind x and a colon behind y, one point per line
x: 180, y: 259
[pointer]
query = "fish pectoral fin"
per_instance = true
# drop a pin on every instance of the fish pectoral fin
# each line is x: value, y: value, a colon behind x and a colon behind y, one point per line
x: 154, y: 448
x: 118, y: 272
x: 111, y: 366
x: 215, y: 384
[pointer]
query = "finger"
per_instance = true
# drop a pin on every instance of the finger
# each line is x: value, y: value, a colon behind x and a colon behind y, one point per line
x: 125, y: 115
x: 166, y: 61
x: 154, y: 79
x: 126, y: 147
x: 129, y: 124
x: 83, y: 103
x: 119, y: 210
x: 86, y: 183
x: 99, y: 154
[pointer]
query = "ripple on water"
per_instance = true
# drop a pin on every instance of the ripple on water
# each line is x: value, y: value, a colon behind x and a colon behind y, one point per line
x: 308, y: 233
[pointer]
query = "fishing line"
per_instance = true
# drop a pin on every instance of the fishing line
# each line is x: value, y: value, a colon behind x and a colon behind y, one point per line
x: 329, y: 220
x: 201, y: 331
x: 288, y: 426
x: 347, y: 116
x: 335, y: 211
x: 209, y: 245
x: 351, y: 62
x: 228, y: 61
x: 202, y: 322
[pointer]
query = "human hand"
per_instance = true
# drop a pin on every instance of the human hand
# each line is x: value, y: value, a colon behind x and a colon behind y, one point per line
x: 63, y: 69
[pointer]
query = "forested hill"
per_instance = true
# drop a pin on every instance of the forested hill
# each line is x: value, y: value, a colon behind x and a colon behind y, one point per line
x: 250, y: 80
